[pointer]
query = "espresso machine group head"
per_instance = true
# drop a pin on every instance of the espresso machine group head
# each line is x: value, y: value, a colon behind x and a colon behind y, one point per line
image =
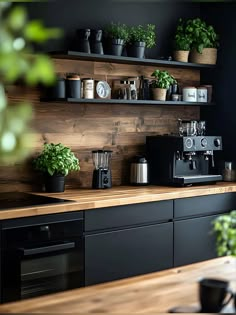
x: 182, y: 160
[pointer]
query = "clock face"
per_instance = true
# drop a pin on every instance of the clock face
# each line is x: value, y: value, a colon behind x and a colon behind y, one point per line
x: 103, y: 89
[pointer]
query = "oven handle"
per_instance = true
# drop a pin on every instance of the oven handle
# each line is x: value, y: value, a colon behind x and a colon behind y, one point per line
x: 46, y: 249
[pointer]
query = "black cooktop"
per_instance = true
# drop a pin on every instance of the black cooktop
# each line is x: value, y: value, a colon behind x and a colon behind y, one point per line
x: 12, y: 200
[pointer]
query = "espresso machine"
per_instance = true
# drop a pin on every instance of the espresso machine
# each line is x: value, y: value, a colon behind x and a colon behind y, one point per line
x: 102, y: 171
x: 182, y: 160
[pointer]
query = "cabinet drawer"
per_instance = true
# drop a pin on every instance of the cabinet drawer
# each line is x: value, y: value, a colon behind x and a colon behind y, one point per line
x: 121, y: 216
x: 194, y: 240
x: 218, y: 203
x: 125, y: 253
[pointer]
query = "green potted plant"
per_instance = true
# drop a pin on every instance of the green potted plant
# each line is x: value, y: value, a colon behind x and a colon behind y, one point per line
x: 55, y: 162
x: 182, y: 42
x: 204, y: 41
x: 117, y: 35
x: 224, y: 228
x: 141, y: 37
x: 163, y: 80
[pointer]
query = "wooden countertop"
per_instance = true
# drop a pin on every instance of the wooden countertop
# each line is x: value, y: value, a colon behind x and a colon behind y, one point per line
x: 150, y: 294
x: 84, y: 199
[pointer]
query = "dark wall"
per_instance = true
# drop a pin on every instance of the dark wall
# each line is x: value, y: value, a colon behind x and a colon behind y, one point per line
x: 222, y: 118
x: 71, y: 15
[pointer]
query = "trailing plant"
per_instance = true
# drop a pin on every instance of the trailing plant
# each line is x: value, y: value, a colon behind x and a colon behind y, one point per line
x: 142, y: 33
x: 18, y: 62
x: 182, y: 41
x: 201, y: 35
x: 162, y: 80
x: 224, y: 227
x: 56, y: 159
x: 117, y: 31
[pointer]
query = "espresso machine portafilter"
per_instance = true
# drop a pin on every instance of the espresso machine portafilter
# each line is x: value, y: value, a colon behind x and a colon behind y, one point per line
x: 102, y: 170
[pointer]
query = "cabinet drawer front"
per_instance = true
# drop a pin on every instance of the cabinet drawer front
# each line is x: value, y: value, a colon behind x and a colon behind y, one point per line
x: 194, y: 240
x: 121, y: 216
x: 125, y: 253
x: 218, y: 203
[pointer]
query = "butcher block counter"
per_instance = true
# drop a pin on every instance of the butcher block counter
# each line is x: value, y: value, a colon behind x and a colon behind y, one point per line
x: 84, y: 199
x: 150, y: 294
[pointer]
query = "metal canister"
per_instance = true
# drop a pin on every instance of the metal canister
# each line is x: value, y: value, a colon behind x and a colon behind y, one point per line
x: 189, y: 94
x: 88, y: 88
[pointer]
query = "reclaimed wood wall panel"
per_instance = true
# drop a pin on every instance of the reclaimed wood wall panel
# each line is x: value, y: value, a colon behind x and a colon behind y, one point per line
x: 84, y: 127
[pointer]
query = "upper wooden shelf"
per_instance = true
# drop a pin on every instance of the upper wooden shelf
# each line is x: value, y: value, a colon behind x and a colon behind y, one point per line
x: 121, y: 101
x: 75, y: 55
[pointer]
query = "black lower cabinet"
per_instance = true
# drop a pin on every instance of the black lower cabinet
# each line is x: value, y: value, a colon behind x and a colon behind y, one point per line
x: 128, y: 252
x: 193, y: 240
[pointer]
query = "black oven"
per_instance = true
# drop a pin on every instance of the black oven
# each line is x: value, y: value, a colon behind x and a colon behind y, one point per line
x: 41, y: 255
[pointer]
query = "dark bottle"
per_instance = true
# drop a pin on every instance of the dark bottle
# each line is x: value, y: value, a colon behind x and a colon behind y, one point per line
x: 83, y: 40
x: 96, y: 42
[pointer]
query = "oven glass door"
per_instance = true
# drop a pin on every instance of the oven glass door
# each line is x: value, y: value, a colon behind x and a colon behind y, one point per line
x: 53, y: 271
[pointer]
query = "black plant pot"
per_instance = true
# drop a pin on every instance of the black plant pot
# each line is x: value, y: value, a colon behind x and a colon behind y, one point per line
x: 136, y: 50
x: 55, y: 183
x: 116, y: 47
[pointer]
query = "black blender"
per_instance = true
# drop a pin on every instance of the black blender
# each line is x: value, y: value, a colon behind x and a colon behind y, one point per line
x: 102, y: 172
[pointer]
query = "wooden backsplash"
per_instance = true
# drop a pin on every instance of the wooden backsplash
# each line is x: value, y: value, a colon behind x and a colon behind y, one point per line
x: 85, y: 127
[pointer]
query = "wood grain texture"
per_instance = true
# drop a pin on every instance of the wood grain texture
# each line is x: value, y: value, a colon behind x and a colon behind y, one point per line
x: 121, y: 128
x: 149, y: 294
x: 86, y: 199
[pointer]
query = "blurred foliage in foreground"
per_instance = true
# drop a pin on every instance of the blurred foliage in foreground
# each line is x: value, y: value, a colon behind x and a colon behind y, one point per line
x: 19, y: 62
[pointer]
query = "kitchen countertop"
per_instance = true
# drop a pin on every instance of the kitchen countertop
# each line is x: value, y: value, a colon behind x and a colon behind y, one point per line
x: 84, y: 199
x: 150, y: 294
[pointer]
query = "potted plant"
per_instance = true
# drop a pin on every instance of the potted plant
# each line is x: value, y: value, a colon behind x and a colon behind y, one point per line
x: 163, y: 80
x: 182, y: 43
x: 140, y: 37
x: 117, y: 35
x: 204, y: 41
x: 55, y: 162
x: 224, y: 228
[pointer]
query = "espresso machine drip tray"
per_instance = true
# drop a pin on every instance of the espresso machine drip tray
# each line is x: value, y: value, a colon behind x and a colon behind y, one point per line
x: 196, y: 179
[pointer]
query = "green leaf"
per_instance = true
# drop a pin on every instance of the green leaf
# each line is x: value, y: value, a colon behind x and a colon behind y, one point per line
x: 36, y: 32
x: 17, y: 18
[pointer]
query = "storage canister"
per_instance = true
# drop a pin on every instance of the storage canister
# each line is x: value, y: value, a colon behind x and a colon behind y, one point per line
x: 189, y: 94
x: 202, y: 94
x: 73, y: 86
x: 88, y: 88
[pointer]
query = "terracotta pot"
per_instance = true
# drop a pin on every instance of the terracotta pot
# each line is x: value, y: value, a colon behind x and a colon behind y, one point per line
x: 181, y: 55
x: 208, y: 56
x: 159, y: 94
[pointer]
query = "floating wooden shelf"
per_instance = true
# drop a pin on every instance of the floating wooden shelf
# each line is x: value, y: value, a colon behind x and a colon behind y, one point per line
x: 118, y: 101
x: 75, y: 55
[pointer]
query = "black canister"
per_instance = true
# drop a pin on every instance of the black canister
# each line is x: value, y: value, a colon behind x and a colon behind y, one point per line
x: 73, y: 86
x: 58, y: 90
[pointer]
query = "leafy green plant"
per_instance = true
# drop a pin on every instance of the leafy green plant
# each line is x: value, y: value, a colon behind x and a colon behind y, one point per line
x: 18, y: 62
x: 56, y: 159
x: 162, y: 80
x: 201, y: 35
x: 142, y: 33
x: 117, y: 31
x: 182, y: 41
x: 224, y: 227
